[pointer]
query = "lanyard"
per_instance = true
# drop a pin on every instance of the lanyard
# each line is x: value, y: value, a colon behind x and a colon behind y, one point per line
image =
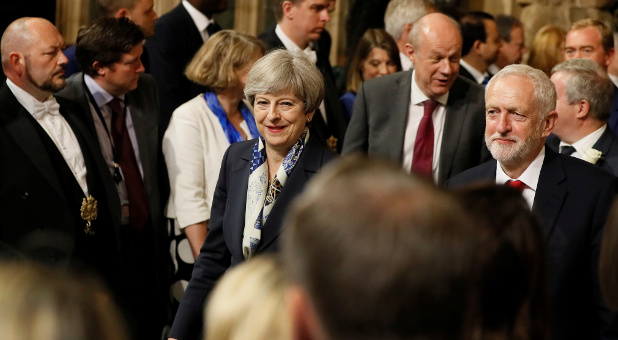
x: 117, y: 176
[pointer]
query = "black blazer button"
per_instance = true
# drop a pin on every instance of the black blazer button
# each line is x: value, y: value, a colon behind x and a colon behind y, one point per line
x: 25, y: 195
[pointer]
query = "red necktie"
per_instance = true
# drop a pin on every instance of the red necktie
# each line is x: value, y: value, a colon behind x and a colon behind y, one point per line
x: 422, y: 159
x: 138, y: 199
x: 519, y: 185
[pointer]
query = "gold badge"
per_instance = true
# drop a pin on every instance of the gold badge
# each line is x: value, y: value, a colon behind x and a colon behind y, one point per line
x: 89, y: 212
x: 331, y: 143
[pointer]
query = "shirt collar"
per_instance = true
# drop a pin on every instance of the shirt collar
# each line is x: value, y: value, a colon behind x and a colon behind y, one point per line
x: 588, y: 141
x: 24, y: 98
x: 101, y: 97
x: 200, y: 19
x: 288, y: 43
x: 418, y: 96
x: 478, y: 76
x: 530, y: 176
x: 614, y: 79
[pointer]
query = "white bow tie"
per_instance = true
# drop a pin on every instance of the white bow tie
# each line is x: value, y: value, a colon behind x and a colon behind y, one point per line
x: 311, y: 54
x: 49, y: 106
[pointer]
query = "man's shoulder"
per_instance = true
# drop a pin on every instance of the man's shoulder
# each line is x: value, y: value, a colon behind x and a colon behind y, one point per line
x: 463, y: 87
x: 270, y: 38
x: 485, y: 172
x: 74, y: 87
x: 175, y: 16
x: 381, y: 83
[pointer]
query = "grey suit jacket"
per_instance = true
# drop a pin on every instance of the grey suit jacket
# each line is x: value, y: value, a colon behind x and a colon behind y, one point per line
x: 380, y: 115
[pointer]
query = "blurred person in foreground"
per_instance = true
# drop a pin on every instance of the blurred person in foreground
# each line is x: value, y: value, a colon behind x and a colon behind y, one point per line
x: 547, y: 48
x: 374, y: 253
x: 375, y: 56
x: 513, y: 287
x: 571, y: 196
x: 259, y: 177
x: 38, y: 303
x: 198, y: 135
x: 249, y: 303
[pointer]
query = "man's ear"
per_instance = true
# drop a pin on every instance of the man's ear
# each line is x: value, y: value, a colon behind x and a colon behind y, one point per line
x: 409, y: 50
x: 100, y: 70
x: 550, y: 123
x: 305, y: 324
x: 287, y: 7
x: 583, y: 109
x: 610, y: 56
x: 17, y: 62
x: 121, y: 13
x: 477, y: 46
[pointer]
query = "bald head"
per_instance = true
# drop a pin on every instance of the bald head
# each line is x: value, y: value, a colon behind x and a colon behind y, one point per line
x: 436, y: 23
x: 32, y: 57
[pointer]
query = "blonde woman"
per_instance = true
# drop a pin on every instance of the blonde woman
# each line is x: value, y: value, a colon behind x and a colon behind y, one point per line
x: 249, y: 303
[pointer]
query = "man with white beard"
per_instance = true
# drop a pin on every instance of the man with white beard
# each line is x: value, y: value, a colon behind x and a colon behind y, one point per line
x: 571, y: 196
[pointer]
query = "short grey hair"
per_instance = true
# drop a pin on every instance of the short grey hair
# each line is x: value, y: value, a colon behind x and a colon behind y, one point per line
x: 421, y: 25
x: 588, y: 81
x: 283, y: 71
x: 544, y: 90
x: 401, y: 12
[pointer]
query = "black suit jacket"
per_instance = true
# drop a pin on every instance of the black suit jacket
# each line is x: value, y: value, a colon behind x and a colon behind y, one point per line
x: 378, y: 124
x: 613, y: 115
x: 175, y: 42
x: 336, y: 116
x: 572, y: 198
x: 223, y: 246
x: 37, y: 220
x: 607, y: 144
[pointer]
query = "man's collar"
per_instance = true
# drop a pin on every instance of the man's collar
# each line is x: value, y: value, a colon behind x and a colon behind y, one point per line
x: 24, y: 98
x: 200, y: 19
x: 530, y: 176
x: 614, y: 78
x: 418, y: 96
x: 478, y: 76
x: 287, y: 42
x: 587, y: 142
x: 101, y: 97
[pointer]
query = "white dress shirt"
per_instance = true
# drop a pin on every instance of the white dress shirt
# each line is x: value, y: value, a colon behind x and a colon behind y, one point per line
x: 200, y: 20
x: 311, y: 54
x: 60, y: 132
x: 478, y: 76
x: 416, y: 111
x: 614, y: 79
x: 102, y: 98
x: 493, y: 69
x: 406, y: 63
x: 585, y: 143
x: 530, y: 177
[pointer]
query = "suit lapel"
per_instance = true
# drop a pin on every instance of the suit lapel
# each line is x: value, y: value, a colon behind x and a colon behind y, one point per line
x: 19, y: 125
x: 551, y: 191
x: 613, y: 116
x: 238, y: 181
x: 144, y: 128
x: 603, y: 144
x: 397, y: 115
x: 456, y: 111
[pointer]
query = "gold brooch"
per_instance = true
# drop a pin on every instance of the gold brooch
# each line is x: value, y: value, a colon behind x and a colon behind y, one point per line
x: 331, y: 143
x: 89, y: 212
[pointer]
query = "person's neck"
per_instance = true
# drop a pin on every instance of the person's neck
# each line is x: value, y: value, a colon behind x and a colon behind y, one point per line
x: 586, y: 127
x: 105, y: 86
x: 289, y: 31
x: 476, y: 62
x: 274, y: 159
x: 502, y: 62
x: 229, y: 99
x: 198, y: 5
x: 515, y: 170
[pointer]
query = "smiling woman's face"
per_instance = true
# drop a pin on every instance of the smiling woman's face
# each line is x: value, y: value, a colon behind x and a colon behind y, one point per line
x: 280, y: 119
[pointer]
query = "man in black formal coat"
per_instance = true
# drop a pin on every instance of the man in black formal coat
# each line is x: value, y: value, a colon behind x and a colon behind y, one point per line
x: 584, y: 101
x: 178, y: 36
x: 572, y: 197
x: 300, y: 26
x: 51, y: 170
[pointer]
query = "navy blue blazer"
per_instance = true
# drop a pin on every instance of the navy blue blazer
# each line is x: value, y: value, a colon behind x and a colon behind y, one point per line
x: 573, y: 199
x: 607, y: 144
x: 223, y: 245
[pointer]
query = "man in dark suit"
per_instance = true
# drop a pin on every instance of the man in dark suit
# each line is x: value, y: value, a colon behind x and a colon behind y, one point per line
x: 178, y: 36
x: 584, y: 100
x: 141, y: 12
x: 481, y: 44
x: 300, y: 26
x: 119, y: 105
x: 389, y: 117
x: 50, y: 169
x: 572, y: 197
x: 593, y: 39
